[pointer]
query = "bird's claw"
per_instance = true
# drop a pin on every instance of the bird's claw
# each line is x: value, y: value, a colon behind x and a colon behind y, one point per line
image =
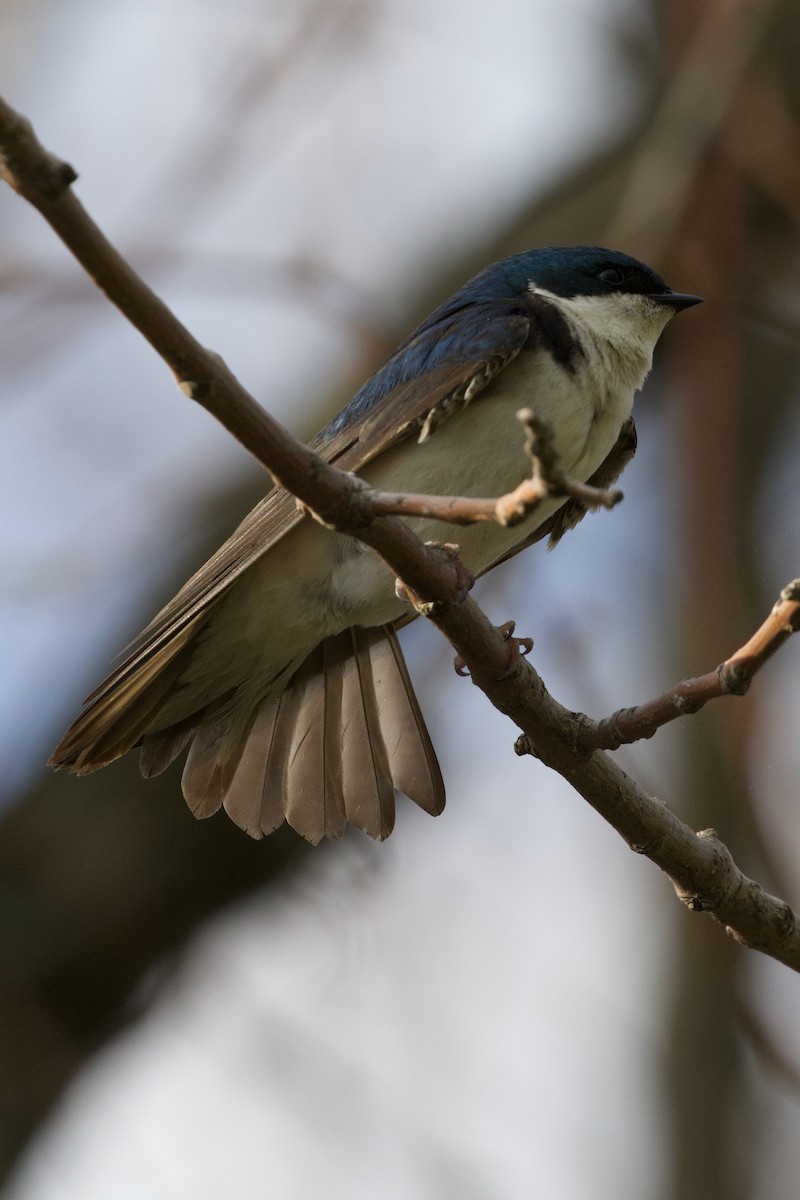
x: 465, y: 580
x: 464, y: 577
x: 517, y: 648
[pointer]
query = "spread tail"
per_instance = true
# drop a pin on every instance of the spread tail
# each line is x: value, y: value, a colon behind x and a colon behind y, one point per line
x: 334, y: 745
x: 328, y: 748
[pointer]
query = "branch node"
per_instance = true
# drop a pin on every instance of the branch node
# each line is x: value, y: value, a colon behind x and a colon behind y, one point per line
x: 717, y: 888
x: 709, y: 834
x: 62, y: 175
x: 649, y: 848
x: 790, y: 594
x: 524, y: 745
x: 584, y: 735
x: 735, y: 678
x: 548, y: 477
x: 402, y: 592
x: 453, y: 592
x: 30, y: 169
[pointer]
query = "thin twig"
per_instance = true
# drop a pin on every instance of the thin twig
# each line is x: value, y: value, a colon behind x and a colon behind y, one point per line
x: 548, y: 479
x: 702, y: 870
x: 731, y: 678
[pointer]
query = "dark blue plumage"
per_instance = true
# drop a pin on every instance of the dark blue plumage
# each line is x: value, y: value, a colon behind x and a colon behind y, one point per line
x: 483, y: 331
x: 476, y: 323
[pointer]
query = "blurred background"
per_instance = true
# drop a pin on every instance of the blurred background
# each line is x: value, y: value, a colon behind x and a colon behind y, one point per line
x: 504, y: 1002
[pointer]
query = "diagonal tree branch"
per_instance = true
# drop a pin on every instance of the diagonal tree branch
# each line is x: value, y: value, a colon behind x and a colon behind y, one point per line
x: 701, y: 868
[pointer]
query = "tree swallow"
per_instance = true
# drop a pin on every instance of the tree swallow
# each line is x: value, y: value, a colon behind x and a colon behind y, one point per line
x: 278, y: 664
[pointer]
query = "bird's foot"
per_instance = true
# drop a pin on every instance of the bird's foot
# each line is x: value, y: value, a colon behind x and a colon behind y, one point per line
x: 464, y: 579
x: 517, y: 648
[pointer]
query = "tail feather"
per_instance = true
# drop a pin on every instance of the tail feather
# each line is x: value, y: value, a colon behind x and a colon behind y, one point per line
x: 368, y: 786
x: 326, y: 751
x: 333, y: 745
x: 313, y: 798
x: 328, y: 747
x: 159, y: 750
x: 412, y: 758
x: 211, y: 761
x: 255, y: 797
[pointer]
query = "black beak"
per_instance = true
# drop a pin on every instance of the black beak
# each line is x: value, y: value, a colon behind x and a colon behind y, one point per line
x: 676, y: 300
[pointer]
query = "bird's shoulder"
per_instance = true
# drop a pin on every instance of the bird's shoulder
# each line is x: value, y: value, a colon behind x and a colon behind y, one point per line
x: 446, y: 362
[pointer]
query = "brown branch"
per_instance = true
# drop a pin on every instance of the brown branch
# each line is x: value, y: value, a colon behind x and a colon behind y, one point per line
x: 702, y: 870
x: 731, y: 678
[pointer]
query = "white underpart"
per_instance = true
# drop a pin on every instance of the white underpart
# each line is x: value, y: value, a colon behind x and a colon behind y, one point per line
x: 313, y: 584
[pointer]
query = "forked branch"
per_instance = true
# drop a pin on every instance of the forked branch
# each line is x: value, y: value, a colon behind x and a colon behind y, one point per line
x: 701, y: 868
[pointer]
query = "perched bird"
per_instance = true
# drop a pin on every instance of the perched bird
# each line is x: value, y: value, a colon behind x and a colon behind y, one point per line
x: 277, y: 664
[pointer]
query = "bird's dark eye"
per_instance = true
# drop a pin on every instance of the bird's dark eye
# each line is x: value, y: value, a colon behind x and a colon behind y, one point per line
x: 611, y: 275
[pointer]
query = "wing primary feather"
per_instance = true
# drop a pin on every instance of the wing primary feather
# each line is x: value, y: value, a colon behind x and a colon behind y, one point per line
x: 118, y: 719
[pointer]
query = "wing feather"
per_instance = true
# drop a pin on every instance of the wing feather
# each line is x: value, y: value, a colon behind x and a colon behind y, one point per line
x: 420, y: 384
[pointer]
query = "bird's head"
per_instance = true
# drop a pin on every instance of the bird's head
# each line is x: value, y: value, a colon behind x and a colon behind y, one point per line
x: 591, y: 272
x: 616, y: 299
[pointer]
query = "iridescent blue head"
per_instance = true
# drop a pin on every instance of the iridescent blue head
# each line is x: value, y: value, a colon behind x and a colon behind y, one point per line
x: 570, y: 271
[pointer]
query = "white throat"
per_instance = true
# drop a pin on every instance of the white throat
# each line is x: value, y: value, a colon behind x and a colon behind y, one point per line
x: 618, y: 332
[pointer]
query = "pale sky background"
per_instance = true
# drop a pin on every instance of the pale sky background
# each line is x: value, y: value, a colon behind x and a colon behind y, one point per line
x: 471, y: 1009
